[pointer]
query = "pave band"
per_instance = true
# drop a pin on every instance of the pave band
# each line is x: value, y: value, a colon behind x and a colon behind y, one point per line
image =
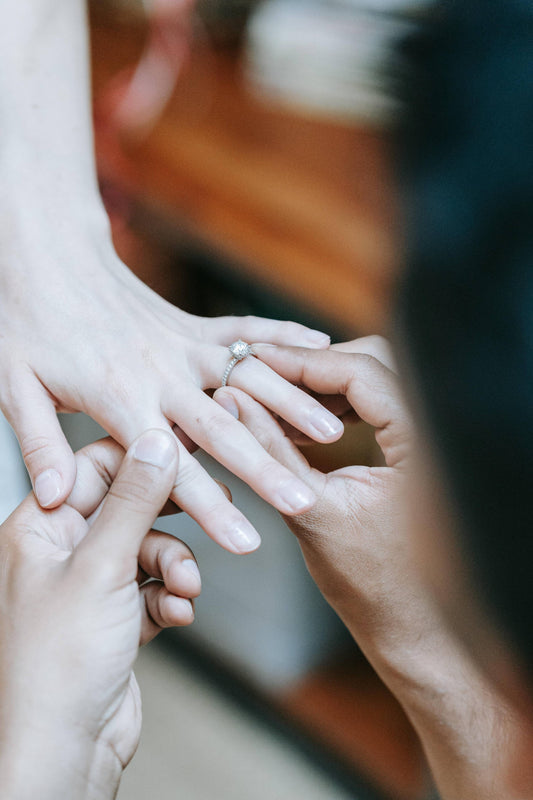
x: 239, y: 351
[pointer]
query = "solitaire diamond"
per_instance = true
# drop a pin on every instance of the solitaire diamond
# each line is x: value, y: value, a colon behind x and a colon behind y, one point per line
x: 240, y: 349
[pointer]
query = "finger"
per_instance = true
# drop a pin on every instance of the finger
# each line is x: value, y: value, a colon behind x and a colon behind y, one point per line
x: 168, y: 559
x: 219, y: 434
x: 291, y: 403
x: 376, y: 346
x: 370, y: 387
x: 46, y: 452
x: 162, y: 609
x: 335, y: 404
x: 295, y: 406
x: 266, y: 430
x: 134, y: 500
x: 97, y: 466
x: 225, y: 330
x: 198, y: 494
x: 171, y: 507
x: 206, y: 501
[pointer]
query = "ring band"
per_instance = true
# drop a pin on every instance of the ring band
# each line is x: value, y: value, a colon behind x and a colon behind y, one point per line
x: 239, y: 351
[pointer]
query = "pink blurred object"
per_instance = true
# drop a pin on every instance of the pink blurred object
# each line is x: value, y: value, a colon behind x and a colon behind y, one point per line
x: 130, y: 105
x: 147, y: 91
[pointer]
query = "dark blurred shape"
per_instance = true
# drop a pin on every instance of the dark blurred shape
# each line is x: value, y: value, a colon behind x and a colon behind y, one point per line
x: 225, y: 20
x: 467, y: 300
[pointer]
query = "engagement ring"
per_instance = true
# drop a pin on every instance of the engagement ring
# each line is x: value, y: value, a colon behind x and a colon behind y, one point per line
x: 239, y: 351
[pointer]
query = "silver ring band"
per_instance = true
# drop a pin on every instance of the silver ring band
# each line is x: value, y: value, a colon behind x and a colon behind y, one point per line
x: 239, y: 351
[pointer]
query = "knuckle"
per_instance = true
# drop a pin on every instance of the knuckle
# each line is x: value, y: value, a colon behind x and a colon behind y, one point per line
x: 365, y: 360
x: 363, y: 368
x: 98, y: 464
x: 171, y: 551
x: 217, y: 515
x: 183, y: 549
x: 288, y: 328
x: 134, y: 490
x: 272, y: 474
x: 34, y: 446
x: 118, y: 386
x: 216, y: 427
x: 188, y: 475
x: 265, y: 437
x: 376, y: 340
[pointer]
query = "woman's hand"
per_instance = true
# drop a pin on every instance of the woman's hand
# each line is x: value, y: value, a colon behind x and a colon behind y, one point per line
x: 78, y: 332
x: 81, y: 333
x: 82, y: 587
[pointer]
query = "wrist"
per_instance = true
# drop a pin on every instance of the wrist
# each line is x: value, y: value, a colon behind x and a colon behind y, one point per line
x: 41, y: 764
x: 37, y: 187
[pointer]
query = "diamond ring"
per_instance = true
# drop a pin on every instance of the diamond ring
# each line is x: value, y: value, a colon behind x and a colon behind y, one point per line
x: 239, y: 351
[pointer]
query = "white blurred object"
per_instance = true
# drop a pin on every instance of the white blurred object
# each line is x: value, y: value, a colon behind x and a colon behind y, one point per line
x: 336, y: 58
x: 14, y: 483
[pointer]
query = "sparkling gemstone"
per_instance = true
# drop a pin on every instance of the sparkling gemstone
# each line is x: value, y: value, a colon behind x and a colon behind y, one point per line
x: 240, y: 349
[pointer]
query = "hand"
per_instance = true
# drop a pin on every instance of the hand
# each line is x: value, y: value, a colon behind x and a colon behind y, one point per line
x: 351, y: 538
x: 362, y: 554
x: 74, y: 608
x: 81, y: 333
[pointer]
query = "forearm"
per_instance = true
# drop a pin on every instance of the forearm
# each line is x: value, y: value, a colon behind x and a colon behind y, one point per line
x: 46, y: 143
x: 471, y: 735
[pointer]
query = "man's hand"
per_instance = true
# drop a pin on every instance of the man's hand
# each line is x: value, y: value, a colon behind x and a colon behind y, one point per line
x: 360, y: 550
x: 352, y: 538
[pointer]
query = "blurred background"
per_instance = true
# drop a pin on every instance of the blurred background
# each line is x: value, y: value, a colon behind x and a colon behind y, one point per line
x: 244, y: 161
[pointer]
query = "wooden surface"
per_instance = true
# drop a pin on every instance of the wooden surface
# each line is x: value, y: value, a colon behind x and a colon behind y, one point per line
x: 301, y: 206
x: 348, y: 709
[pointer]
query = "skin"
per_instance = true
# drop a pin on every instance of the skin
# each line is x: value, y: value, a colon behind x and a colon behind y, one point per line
x: 72, y: 598
x: 79, y: 332
x: 74, y: 609
x: 361, y: 544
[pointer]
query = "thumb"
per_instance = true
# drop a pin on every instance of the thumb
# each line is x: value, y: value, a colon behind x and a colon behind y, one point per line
x: 45, y: 450
x: 137, y: 495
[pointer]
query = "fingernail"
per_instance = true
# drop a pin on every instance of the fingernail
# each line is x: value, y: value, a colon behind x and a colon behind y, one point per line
x: 155, y: 447
x: 325, y: 423
x: 47, y: 487
x: 295, y: 496
x: 192, y: 568
x: 244, y: 537
x: 185, y: 606
x: 317, y: 338
x: 228, y: 404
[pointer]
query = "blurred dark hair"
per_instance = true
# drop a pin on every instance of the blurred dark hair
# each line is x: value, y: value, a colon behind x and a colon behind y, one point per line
x: 466, y: 303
